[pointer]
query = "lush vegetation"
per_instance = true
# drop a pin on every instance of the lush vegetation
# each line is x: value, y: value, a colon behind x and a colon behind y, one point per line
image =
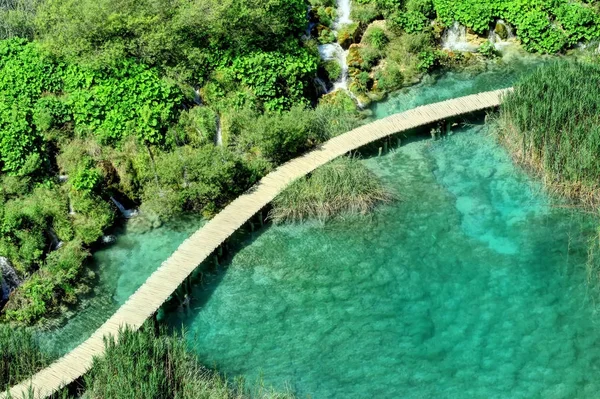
x: 21, y: 356
x: 145, y: 364
x: 99, y: 100
x: 551, y: 123
x: 342, y: 186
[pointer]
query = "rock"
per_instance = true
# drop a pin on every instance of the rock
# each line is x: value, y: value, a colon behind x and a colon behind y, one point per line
x: 109, y: 239
x: 10, y: 279
x: 501, y: 30
x: 354, y: 59
x: 349, y: 34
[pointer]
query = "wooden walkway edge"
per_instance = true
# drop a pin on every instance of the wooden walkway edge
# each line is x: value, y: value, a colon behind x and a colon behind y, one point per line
x: 173, y: 271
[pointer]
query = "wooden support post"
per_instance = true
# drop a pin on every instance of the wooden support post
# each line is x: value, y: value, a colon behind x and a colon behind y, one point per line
x: 379, y: 151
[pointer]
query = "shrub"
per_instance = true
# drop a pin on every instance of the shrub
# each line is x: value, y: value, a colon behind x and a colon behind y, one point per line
x: 377, y: 38
x: 487, y: 49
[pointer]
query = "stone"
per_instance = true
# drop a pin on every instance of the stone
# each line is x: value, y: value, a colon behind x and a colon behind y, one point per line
x: 349, y: 34
x: 501, y: 30
x: 10, y: 279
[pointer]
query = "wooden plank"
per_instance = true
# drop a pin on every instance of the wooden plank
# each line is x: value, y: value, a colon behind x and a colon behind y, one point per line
x: 194, y: 250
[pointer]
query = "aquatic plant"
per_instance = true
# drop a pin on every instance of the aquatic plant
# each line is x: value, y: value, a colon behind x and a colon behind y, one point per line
x: 154, y: 364
x: 20, y: 355
x: 551, y: 124
x: 344, y: 185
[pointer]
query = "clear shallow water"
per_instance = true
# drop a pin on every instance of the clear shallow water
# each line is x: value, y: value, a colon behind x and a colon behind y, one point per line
x: 471, y: 287
x: 121, y: 269
x: 499, y: 75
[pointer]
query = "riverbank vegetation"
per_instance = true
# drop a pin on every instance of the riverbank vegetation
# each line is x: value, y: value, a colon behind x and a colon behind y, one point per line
x: 157, y: 109
x: 145, y: 364
x: 343, y: 186
x: 394, y: 43
x: 551, y: 125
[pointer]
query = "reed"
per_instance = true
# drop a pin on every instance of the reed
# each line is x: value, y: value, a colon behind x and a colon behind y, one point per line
x: 551, y: 124
x: 342, y: 186
x: 147, y: 364
x: 20, y: 355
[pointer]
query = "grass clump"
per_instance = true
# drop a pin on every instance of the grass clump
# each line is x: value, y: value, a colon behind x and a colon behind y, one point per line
x: 551, y: 123
x: 344, y: 185
x: 20, y: 355
x: 146, y: 364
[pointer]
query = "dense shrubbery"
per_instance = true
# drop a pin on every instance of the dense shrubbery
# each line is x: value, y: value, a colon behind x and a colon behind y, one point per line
x: 543, y: 26
x: 344, y: 185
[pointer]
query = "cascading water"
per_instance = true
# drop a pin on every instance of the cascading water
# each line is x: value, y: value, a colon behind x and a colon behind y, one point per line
x: 455, y: 38
x: 335, y: 52
x: 343, y: 12
x: 502, y: 35
x: 127, y: 213
x: 218, y: 136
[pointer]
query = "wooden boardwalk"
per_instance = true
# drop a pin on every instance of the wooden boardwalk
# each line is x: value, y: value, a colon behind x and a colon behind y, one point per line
x: 171, y: 274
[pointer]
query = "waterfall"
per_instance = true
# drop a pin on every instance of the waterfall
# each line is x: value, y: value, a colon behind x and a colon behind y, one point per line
x: 496, y: 35
x: 321, y: 86
x: 56, y: 243
x: 127, y: 213
x: 71, y: 210
x: 197, y: 98
x: 218, y: 136
x: 335, y: 52
x: 343, y: 14
x: 455, y: 38
x: 109, y: 239
x: 10, y: 279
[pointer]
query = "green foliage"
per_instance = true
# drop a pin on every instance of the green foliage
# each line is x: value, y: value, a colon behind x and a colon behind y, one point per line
x: 54, y: 284
x: 278, y: 79
x: 551, y: 121
x: 487, y: 49
x: 21, y: 355
x: 377, y: 38
x: 333, y: 70
x: 86, y: 179
x: 280, y: 137
x: 543, y: 26
x: 427, y: 60
x: 195, y: 179
x: 410, y: 21
x: 342, y: 186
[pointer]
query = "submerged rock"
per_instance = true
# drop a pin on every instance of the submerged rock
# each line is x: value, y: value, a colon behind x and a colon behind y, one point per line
x: 10, y: 279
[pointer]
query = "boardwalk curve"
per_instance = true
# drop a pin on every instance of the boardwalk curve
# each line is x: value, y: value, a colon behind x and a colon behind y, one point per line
x: 173, y: 271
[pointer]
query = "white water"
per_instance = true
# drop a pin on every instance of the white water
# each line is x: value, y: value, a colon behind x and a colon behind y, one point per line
x: 219, y: 135
x: 495, y: 38
x: 333, y: 51
x: 343, y: 14
x: 127, y: 213
x: 455, y: 38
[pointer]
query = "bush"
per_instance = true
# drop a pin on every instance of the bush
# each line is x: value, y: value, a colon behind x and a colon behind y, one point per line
x: 377, y: 38
x: 342, y: 186
x: 487, y: 49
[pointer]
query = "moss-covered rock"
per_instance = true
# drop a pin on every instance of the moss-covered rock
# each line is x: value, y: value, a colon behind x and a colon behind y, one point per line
x: 501, y: 30
x: 349, y: 34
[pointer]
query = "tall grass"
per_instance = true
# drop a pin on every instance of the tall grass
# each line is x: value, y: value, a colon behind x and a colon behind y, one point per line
x: 344, y: 185
x: 159, y: 366
x: 551, y: 123
x: 20, y: 355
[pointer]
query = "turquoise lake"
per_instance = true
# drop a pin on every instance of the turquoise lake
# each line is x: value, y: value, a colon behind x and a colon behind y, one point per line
x: 472, y: 285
